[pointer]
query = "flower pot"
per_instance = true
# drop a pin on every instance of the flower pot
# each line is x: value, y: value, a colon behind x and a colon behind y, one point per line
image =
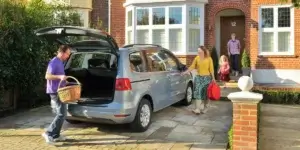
x: 246, y: 71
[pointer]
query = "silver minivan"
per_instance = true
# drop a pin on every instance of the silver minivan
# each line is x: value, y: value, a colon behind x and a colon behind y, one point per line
x: 120, y: 85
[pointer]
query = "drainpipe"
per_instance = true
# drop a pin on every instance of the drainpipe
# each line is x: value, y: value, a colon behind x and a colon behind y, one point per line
x: 109, y: 15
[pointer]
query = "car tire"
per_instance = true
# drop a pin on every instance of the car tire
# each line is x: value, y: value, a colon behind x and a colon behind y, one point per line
x: 139, y: 123
x: 188, y: 95
x: 73, y: 121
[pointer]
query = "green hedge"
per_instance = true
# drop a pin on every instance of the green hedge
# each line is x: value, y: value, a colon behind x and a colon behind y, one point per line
x: 230, y: 137
x: 24, y: 56
x: 279, y: 97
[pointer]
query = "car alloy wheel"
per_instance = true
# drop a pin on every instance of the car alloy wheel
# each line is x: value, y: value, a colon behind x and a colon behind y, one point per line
x: 145, y: 115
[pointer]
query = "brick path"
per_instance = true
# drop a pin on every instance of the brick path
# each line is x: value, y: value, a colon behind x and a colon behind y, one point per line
x: 172, y: 128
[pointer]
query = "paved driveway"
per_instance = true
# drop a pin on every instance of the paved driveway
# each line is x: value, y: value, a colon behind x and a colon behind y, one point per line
x: 172, y: 128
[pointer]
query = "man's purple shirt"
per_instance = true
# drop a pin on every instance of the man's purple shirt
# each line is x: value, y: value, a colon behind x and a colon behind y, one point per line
x: 234, y: 46
x: 55, y: 67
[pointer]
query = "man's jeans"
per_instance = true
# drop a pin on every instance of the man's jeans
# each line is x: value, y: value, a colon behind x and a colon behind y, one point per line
x: 235, y: 62
x: 59, y: 109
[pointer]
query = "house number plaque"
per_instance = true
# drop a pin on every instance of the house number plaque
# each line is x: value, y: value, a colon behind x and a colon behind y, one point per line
x: 233, y: 23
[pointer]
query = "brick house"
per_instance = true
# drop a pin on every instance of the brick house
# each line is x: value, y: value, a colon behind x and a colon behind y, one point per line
x: 266, y: 28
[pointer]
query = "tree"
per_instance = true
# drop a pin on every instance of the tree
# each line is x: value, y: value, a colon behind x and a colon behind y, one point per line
x: 296, y: 3
x: 24, y: 56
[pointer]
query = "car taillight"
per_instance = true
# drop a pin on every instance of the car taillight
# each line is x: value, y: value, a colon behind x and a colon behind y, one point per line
x: 123, y: 84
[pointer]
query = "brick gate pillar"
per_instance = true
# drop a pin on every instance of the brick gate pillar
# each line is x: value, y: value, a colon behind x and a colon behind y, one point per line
x: 245, y: 115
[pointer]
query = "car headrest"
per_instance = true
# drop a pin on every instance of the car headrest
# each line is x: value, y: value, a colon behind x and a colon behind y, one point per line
x: 135, y: 60
x: 98, y: 63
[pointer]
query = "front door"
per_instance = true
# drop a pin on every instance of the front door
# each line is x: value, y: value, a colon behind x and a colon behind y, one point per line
x: 229, y: 25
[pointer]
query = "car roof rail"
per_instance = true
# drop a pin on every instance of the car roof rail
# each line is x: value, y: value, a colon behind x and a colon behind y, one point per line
x: 133, y: 45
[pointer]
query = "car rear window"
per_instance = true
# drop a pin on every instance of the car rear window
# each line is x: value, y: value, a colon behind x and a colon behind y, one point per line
x: 91, y: 60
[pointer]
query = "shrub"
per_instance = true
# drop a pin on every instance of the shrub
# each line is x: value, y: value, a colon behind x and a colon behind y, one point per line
x: 24, y: 56
x: 245, y: 59
x: 230, y: 137
x: 279, y: 97
x: 214, y: 56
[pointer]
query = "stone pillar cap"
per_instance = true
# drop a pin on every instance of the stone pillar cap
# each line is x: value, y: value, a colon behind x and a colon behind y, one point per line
x: 245, y: 83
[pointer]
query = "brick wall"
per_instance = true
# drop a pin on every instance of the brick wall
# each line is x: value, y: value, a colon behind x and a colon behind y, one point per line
x: 278, y: 62
x: 117, y: 29
x: 100, y: 11
x: 245, y: 126
x: 250, y: 9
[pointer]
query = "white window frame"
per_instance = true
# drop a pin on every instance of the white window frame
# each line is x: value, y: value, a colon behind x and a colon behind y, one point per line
x: 185, y: 26
x: 277, y: 29
x: 195, y: 26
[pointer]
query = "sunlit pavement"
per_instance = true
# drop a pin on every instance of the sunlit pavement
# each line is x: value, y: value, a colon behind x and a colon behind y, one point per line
x: 172, y: 128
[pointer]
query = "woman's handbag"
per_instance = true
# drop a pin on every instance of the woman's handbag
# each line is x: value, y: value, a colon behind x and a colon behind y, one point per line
x: 213, y: 91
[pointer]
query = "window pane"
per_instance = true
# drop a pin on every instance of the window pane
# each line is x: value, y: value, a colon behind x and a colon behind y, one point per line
x: 284, y: 41
x: 194, y: 15
x: 142, y: 17
x: 129, y: 37
x: 194, y: 39
x: 175, y: 36
x: 175, y: 14
x: 267, y: 17
x: 267, y: 42
x: 170, y: 62
x: 284, y: 18
x: 77, y: 61
x: 158, y: 16
x: 142, y: 37
x: 130, y: 18
x: 155, y: 62
x: 159, y: 37
x: 136, y: 62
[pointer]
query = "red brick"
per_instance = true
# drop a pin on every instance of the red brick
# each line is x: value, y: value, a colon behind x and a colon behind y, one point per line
x: 242, y: 133
x: 248, y: 128
x: 237, y: 128
x: 242, y: 123
x: 248, y: 139
x: 240, y: 112
x: 236, y: 138
x: 254, y: 133
x: 249, y: 106
x: 100, y: 11
x: 249, y: 117
x: 253, y: 112
x: 240, y: 143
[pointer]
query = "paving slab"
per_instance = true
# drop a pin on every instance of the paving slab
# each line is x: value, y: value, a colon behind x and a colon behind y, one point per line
x: 173, y: 128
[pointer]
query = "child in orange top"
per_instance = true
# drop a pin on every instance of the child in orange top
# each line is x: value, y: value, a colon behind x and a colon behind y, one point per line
x: 224, y: 69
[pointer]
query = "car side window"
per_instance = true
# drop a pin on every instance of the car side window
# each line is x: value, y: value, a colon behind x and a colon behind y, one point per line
x: 137, y: 63
x: 77, y: 61
x: 170, y: 61
x: 155, y: 61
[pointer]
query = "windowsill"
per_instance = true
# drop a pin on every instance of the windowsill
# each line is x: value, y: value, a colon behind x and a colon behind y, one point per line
x: 277, y: 55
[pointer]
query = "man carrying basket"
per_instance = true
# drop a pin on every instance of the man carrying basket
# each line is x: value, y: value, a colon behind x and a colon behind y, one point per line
x: 55, y: 73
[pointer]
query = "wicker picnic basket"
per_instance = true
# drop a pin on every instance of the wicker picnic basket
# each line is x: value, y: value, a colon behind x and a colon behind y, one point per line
x: 70, y: 93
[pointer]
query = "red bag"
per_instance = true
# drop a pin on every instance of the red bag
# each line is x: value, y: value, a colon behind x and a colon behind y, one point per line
x: 213, y: 91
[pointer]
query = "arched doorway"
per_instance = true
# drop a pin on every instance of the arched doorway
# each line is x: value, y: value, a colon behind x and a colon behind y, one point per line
x: 229, y: 21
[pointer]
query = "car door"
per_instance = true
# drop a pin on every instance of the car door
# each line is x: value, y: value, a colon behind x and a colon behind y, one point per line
x: 177, y: 82
x: 160, y: 83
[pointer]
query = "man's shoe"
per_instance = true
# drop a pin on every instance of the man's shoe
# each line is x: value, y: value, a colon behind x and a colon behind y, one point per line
x: 60, y: 139
x: 48, y: 139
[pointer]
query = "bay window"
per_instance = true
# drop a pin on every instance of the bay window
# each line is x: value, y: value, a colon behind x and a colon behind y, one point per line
x: 179, y: 28
x: 276, y: 30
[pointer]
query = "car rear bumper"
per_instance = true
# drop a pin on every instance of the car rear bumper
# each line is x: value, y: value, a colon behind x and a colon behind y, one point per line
x: 113, y: 113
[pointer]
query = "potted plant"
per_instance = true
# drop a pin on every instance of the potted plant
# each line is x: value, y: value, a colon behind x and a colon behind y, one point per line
x: 246, y: 64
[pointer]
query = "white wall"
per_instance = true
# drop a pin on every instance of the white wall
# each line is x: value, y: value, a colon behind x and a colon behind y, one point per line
x: 282, y: 76
x: 227, y: 12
